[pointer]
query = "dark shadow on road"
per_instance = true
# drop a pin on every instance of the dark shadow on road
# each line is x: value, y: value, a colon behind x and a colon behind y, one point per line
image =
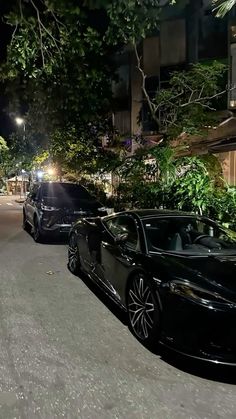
x: 56, y: 241
x: 107, y: 301
x: 202, y: 369
x: 53, y: 240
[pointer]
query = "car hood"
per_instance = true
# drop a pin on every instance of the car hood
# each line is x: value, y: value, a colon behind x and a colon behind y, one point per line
x: 218, y: 270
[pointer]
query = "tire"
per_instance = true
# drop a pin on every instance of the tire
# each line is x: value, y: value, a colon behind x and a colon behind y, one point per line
x: 73, y: 255
x: 37, y: 235
x: 143, y: 311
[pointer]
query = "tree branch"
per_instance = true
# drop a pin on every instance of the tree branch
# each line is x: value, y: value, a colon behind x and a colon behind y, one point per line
x: 151, y: 105
x: 200, y: 99
x: 14, y: 32
x: 41, y: 25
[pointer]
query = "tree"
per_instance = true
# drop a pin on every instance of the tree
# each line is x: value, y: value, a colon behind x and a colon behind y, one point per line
x: 186, y: 107
x: 3, y: 157
x: 81, y: 151
x: 63, y: 51
x: 3, y: 147
x: 188, y: 103
x: 59, y: 63
x: 223, y: 6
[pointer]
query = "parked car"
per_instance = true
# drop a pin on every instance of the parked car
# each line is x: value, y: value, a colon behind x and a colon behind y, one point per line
x: 52, y: 207
x: 174, y: 273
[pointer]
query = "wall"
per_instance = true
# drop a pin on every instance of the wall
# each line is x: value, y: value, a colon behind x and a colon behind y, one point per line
x: 173, y: 42
x: 228, y: 161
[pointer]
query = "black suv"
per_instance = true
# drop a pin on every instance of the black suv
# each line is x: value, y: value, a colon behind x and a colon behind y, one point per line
x: 52, y: 207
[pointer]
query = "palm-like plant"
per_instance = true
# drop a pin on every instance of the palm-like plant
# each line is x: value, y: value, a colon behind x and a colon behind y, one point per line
x: 223, y: 6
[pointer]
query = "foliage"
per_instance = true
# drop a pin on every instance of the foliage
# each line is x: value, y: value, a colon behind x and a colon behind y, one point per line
x: 145, y: 179
x: 222, y: 206
x: 80, y: 150
x: 223, y: 6
x: 59, y: 65
x: 214, y: 169
x: 63, y: 51
x: 188, y: 103
x: 191, y: 184
x: 192, y: 187
x: 22, y: 149
x: 4, y: 158
x: 3, y: 146
x: 133, y: 19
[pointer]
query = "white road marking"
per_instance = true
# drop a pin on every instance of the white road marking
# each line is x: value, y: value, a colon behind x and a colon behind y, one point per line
x: 9, y: 203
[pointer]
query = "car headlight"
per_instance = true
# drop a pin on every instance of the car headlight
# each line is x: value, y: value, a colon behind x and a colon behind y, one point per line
x: 49, y: 208
x: 197, y: 294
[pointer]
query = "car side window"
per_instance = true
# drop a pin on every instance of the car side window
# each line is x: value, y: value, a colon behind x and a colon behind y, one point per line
x: 125, y: 224
x: 157, y: 233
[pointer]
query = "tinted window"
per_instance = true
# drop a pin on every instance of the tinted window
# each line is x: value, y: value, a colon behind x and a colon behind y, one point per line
x: 65, y: 190
x: 124, y: 224
x: 188, y: 234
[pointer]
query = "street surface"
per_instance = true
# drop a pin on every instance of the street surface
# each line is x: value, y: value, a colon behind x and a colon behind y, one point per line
x: 67, y: 353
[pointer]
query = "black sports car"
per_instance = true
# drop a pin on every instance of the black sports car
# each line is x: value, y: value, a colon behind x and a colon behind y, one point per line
x: 174, y: 273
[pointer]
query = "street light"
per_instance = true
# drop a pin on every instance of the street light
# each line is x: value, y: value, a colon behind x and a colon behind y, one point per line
x: 40, y: 175
x: 20, y: 121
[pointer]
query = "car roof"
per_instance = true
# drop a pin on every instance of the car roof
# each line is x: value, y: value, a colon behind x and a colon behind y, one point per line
x: 145, y: 213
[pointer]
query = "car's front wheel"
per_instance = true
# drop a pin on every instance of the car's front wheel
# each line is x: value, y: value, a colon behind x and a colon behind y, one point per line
x: 143, y: 310
x: 37, y: 235
x: 73, y: 255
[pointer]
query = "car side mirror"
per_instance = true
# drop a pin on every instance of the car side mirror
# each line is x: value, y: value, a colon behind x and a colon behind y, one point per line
x: 121, y: 238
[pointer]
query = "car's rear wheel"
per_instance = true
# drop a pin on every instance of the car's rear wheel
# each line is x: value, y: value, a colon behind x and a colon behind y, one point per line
x: 143, y: 310
x: 37, y: 235
x: 73, y: 255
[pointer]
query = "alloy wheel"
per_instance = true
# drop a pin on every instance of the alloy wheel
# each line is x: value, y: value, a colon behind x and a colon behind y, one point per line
x: 142, y: 309
x: 73, y: 255
x: 36, y: 232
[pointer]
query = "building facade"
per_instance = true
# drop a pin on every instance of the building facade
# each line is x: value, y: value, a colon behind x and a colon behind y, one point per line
x: 188, y: 33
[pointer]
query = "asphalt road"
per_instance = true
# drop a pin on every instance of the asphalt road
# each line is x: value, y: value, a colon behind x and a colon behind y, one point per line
x: 65, y: 352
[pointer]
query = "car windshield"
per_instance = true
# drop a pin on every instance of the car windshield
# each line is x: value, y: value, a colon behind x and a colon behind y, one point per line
x: 65, y: 191
x: 188, y: 234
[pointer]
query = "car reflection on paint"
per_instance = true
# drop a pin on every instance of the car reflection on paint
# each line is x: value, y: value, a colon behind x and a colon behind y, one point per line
x: 174, y: 273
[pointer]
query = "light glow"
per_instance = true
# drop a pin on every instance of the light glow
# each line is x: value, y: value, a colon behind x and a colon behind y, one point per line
x: 19, y: 121
x: 51, y: 171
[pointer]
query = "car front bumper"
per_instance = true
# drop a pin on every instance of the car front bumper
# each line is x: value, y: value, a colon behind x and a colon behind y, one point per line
x: 202, y: 332
x: 60, y: 222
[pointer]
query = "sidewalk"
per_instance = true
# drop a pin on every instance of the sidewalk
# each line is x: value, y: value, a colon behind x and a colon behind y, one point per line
x: 16, y: 198
x: 19, y: 199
